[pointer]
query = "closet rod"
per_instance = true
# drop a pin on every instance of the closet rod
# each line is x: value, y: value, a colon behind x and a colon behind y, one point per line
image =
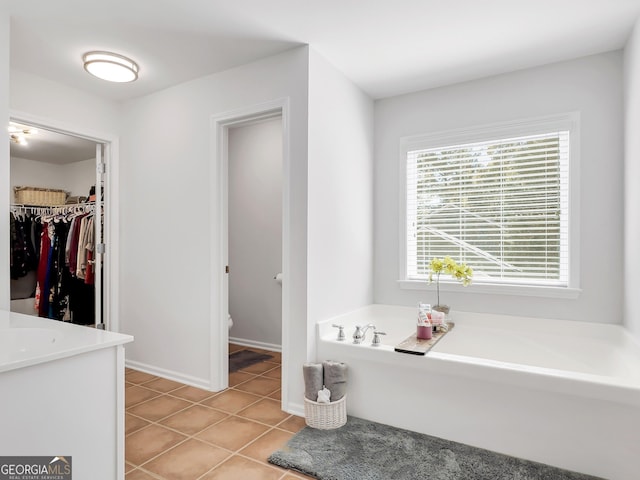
x: 57, y: 209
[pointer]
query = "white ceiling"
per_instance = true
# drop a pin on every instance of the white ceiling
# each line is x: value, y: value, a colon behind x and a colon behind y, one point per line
x: 53, y: 147
x: 386, y: 47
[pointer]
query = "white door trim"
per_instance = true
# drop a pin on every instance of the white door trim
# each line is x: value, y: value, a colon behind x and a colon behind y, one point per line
x: 219, y: 305
x: 112, y: 204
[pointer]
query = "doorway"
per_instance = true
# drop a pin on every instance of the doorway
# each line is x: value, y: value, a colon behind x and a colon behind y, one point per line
x: 255, y: 233
x: 58, y: 180
x: 275, y: 113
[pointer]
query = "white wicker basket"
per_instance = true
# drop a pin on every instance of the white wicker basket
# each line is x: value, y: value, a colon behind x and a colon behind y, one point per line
x: 325, y: 416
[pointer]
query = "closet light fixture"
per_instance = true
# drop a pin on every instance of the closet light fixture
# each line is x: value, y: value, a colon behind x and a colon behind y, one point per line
x: 110, y: 66
x: 19, y: 133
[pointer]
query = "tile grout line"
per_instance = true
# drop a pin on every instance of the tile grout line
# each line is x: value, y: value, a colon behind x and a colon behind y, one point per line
x: 226, y: 460
x: 157, y: 422
x: 193, y: 437
x: 228, y: 415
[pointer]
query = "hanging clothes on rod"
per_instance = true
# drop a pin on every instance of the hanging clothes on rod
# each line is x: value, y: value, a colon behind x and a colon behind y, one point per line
x: 78, y: 266
x: 63, y: 289
x: 24, y: 255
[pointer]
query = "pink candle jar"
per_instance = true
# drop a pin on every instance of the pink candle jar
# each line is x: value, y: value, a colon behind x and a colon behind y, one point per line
x: 424, y: 332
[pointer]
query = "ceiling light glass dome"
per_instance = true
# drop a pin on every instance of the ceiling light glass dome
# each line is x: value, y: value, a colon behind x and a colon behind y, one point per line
x: 110, y: 66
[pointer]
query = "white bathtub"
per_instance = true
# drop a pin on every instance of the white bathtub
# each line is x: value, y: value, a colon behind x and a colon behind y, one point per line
x: 557, y: 392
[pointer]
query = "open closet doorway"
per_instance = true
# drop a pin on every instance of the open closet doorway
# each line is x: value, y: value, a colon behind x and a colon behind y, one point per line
x: 262, y: 129
x: 57, y: 225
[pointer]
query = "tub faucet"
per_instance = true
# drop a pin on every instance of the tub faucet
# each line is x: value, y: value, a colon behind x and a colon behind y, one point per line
x: 376, y: 338
x: 358, y: 335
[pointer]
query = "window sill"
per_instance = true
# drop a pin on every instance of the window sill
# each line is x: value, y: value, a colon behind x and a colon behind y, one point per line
x: 495, y: 289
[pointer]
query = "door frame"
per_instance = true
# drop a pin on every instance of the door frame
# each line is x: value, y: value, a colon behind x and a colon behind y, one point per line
x: 219, y: 181
x: 110, y: 206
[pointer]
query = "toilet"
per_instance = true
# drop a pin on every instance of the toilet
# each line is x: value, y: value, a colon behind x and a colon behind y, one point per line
x: 230, y: 322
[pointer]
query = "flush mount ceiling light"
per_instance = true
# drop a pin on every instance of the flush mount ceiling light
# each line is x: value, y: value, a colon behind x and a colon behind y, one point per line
x: 110, y: 66
x: 19, y: 133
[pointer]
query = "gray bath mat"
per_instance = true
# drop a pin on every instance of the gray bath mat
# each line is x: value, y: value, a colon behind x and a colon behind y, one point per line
x: 245, y: 358
x: 363, y: 450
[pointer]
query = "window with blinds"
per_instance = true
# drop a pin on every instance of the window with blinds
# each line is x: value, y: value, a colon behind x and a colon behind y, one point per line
x: 501, y: 206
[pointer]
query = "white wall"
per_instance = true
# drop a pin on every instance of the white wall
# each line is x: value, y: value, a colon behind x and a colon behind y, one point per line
x: 69, y: 108
x: 631, y: 190
x: 592, y: 86
x: 340, y: 258
x: 75, y: 178
x: 166, y: 282
x: 255, y: 232
x: 30, y: 173
x: 5, y: 191
x: 79, y: 177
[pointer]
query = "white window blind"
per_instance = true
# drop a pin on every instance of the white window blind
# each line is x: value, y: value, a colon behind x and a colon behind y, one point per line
x: 501, y: 206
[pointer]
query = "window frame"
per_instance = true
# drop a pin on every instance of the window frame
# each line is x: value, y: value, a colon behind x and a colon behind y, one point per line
x: 497, y: 131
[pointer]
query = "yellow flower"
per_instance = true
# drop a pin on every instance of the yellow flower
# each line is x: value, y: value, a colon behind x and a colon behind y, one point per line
x: 448, y: 265
x: 436, y: 265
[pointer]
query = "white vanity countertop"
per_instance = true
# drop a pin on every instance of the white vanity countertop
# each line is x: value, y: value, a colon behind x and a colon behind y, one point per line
x: 32, y: 340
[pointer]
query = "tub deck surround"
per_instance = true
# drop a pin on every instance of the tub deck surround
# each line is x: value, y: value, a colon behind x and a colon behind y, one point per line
x: 558, y: 392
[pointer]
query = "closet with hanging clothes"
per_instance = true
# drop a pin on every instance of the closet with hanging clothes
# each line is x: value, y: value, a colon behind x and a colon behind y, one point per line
x: 52, y: 260
x: 53, y: 225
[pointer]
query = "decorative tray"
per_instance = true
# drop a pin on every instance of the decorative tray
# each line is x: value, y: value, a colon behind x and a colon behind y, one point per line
x: 416, y: 346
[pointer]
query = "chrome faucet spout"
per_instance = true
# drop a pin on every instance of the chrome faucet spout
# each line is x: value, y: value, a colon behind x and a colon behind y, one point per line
x: 358, y: 335
x: 366, y: 328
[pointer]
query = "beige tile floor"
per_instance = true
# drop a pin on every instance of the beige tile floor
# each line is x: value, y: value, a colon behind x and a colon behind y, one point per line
x: 178, y: 432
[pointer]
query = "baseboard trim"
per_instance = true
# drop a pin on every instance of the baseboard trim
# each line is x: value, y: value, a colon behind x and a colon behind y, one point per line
x: 170, y: 374
x: 295, y: 409
x: 252, y: 343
